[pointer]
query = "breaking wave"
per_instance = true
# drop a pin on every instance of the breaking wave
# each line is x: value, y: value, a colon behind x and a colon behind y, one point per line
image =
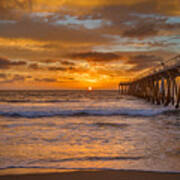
x: 82, y: 112
x: 40, y: 101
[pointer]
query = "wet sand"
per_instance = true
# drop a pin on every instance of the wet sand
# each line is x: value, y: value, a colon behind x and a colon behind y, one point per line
x: 96, y: 175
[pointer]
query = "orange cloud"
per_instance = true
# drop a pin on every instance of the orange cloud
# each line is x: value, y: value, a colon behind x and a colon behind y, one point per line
x: 75, y: 44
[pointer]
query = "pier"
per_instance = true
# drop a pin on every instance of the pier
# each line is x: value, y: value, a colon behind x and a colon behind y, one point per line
x: 159, y: 85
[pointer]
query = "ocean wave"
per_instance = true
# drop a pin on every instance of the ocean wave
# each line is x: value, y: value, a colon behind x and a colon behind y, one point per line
x: 38, y: 164
x: 93, y: 158
x: 65, y: 169
x: 117, y: 125
x: 82, y: 112
x: 39, y: 101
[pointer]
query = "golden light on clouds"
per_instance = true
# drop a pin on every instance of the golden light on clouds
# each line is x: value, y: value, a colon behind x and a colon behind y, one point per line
x: 52, y: 5
x: 167, y: 6
x: 70, y: 44
x: 23, y: 44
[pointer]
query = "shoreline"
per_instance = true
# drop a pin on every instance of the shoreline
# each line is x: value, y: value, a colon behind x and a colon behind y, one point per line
x: 95, y: 175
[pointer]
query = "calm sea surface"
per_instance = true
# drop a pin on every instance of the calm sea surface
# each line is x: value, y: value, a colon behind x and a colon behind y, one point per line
x: 69, y: 130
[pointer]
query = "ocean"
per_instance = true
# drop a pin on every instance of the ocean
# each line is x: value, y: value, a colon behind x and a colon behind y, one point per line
x: 80, y: 130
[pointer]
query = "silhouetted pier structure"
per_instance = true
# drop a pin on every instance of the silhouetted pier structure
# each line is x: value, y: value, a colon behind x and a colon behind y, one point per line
x: 159, y: 85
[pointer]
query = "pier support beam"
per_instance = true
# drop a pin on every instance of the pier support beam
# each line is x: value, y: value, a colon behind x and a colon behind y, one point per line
x: 173, y: 86
x: 178, y: 97
x: 157, y: 92
x: 160, y: 89
x: 168, y: 96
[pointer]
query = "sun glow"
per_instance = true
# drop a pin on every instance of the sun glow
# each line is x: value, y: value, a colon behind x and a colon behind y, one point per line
x: 89, y: 88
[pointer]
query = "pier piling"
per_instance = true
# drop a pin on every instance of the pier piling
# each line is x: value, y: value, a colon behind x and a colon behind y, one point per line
x: 158, y: 85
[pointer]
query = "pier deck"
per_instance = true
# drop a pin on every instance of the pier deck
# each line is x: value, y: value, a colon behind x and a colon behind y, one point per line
x: 158, y: 85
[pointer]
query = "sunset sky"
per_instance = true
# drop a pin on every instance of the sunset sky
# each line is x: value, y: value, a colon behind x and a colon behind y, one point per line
x: 73, y: 44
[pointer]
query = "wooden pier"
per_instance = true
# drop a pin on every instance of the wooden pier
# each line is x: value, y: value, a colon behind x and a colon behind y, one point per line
x: 159, y: 85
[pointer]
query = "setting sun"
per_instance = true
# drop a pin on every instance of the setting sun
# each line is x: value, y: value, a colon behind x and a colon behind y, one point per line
x: 89, y: 88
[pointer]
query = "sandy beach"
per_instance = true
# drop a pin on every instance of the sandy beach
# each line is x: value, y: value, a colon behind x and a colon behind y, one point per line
x: 96, y: 175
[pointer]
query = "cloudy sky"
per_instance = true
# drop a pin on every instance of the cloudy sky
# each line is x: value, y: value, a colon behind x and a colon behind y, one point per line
x: 73, y: 44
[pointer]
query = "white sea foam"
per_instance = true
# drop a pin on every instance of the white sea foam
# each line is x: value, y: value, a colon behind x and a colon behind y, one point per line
x: 50, y: 112
x: 113, y: 132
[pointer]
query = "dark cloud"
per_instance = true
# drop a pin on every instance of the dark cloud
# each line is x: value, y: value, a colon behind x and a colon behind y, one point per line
x: 6, y: 63
x: 63, y: 62
x: 141, y: 31
x: 3, y: 75
x: 77, y: 69
x: 13, y: 78
x: 48, y: 61
x: 34, y: 66
x: 45, y: 79
x: 170, y: 27
x: 151, y: 27
x: 28, y: 28
x: 132, y: 35
x: 95, y: 56
x: 142, y: 61
x: 67, y: 63
x: 146, y: 58
x: 63, y: 67
x: 18, y: 77
x: 167, y: 7
x: 29, y: 77
x: 135, y: 22
x: 54, y: 68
